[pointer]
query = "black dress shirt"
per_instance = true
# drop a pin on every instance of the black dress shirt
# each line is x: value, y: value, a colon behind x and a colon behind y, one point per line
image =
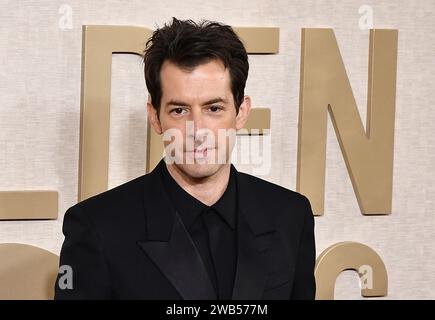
x: 220, y: 259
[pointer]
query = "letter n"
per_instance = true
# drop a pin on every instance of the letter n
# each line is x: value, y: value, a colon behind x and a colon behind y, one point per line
x: 325, y: 87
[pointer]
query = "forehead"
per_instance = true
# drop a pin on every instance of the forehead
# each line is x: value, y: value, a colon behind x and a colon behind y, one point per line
x: 210, y: 78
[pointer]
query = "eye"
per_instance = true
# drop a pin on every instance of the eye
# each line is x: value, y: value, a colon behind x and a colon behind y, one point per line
x: 177, y: 111
x: 215, y: 109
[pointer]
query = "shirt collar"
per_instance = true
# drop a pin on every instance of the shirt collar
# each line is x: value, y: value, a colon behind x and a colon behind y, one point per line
x: 191, y: 208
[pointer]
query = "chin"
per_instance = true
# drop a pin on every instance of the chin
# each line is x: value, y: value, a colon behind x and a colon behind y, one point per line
x: 198, y: 171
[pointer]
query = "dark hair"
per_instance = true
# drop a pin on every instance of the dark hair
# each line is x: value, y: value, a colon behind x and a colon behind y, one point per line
x: 189, y: 44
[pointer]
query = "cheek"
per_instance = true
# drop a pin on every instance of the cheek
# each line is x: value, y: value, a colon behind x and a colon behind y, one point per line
x: 226, y: 122
x: 227, y: 125
x: 173, y: 124
x: 173, y: 133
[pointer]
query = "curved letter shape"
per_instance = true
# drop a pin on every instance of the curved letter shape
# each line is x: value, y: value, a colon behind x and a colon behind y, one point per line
x: 354, y: 256
x: 27, y: 272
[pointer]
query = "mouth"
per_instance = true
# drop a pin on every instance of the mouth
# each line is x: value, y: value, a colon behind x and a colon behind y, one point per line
x: 200, y: 152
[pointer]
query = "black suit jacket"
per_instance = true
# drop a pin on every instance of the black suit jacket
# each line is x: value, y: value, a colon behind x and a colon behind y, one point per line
x: 130, y: 243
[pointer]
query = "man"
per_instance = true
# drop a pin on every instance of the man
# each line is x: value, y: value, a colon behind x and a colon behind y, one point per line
x: 195, y: 227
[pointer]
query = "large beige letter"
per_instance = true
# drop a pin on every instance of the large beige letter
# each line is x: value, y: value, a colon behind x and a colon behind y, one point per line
x: 350, y: 256
x: 325, y: 87
x: 27, y: 272
x: 26, y: 205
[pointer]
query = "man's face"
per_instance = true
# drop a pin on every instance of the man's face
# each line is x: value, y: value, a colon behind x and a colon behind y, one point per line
x: 198, y: 117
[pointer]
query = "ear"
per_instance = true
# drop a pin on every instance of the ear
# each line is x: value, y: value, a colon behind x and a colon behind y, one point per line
x: 244, y: 110
x: 153, y: 118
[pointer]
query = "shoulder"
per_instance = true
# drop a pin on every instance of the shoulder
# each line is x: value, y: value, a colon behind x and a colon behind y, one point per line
x: 290, y: 211
x: 273, y: 193
x: 112, y: 202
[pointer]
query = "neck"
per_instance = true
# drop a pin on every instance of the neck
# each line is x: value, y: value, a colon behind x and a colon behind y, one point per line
x: 209, y: 189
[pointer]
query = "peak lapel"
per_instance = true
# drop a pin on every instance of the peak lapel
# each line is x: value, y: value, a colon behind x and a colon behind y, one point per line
x: 254, y: 244
x: 170, y: 246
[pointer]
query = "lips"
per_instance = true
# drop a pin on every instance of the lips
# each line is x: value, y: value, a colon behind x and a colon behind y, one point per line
x: 201, y: 152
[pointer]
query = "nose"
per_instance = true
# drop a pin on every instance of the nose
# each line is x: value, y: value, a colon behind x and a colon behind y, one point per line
x: 198, y: 125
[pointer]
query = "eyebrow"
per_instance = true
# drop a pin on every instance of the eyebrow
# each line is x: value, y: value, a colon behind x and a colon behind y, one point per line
x: 184, y: 104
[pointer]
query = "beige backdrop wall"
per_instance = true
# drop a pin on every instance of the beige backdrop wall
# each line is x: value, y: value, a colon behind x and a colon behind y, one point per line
x: 40, y: 61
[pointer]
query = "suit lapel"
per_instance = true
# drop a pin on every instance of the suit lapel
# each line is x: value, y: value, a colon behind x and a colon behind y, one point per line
x: 251, y: 272
x: 170, y: 246
x: 254, y: 244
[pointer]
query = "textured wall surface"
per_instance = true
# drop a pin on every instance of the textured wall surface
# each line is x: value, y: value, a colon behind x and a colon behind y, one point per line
x: 40, y: 61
